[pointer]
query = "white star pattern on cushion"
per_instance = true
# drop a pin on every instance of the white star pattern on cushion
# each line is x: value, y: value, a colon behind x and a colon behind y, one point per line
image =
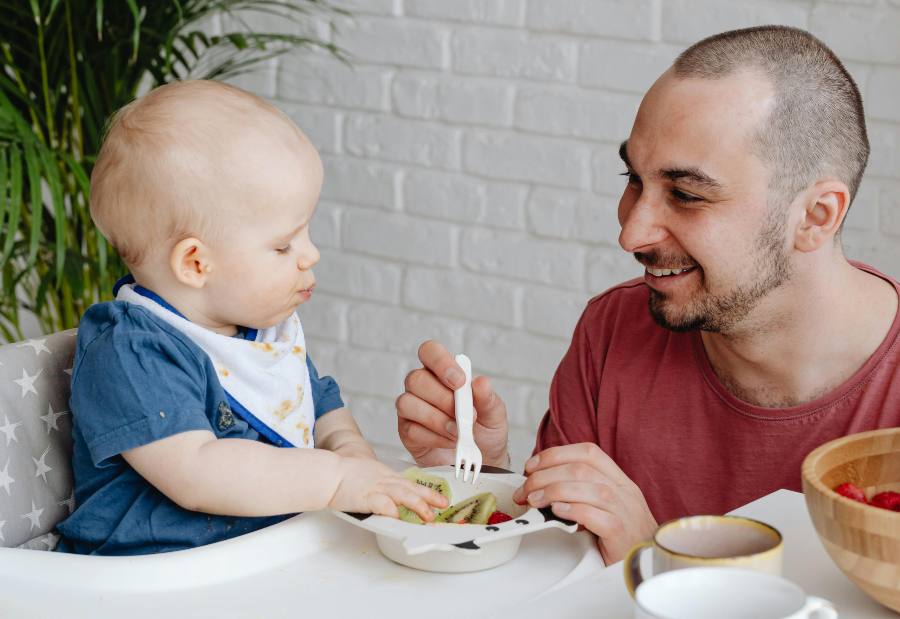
x: 34, y: 516
x: 69, y: 502
x: 35, y: 457
x: 27, y: 382
x: 41, y: 466
x: 5, y: 479
x: 37, y: 345
x: 9, y: 429
x: 51, y: 417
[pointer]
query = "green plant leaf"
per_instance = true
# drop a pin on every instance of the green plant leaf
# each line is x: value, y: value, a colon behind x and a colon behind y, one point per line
x: 4, y: 186
x: 237, y: 39
x: 136, y: 33
x: 33, y: 166
x: 58, y: 203
x: 99, y: 6
x: 9, y: 281
x: 84, y: 183
x: 66, y: 68
x: 40, y: 297
x: 15, y: 202
x: 74, y: 274
x: 54, y: 4
x: 102, y: 260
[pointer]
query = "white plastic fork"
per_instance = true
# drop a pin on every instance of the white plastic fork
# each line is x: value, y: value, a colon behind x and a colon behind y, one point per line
x: 468, y: 456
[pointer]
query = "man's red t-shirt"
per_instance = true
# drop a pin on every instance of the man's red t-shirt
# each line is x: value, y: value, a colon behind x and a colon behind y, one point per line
x: 651, y: 400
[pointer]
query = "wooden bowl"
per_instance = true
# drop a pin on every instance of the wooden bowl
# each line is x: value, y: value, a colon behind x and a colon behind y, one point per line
x: 863, y: 541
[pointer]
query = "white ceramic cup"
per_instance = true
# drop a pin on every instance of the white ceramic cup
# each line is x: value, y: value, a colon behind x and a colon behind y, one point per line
x: 707, y: 541
x: 735, y: 593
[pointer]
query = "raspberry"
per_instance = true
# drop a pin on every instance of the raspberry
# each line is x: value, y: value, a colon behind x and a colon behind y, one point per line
x: 851, y: 491
x: 497, y: 517
x: 887, y: 500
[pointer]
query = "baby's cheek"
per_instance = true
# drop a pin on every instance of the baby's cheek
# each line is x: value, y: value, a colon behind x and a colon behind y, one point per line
x: 283, y: 287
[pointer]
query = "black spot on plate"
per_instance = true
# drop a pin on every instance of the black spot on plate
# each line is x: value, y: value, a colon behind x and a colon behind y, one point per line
x: 357, y: 515
x: 492, y: 528
x: 470, y: 545
x: 549, y: 515
x: 495, y: 469
x: 520, y: 521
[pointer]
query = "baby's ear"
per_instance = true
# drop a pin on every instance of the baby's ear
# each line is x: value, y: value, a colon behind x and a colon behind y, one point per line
x: 191, y: 262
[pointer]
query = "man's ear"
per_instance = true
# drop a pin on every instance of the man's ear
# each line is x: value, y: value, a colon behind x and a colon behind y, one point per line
x: 191, y: 262
x: 824, y: 207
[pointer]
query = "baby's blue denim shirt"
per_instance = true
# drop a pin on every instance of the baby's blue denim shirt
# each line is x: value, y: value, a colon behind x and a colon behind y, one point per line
x: 136, y: 380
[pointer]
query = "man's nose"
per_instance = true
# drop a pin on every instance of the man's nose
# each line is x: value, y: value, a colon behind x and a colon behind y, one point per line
x: 642, y: 223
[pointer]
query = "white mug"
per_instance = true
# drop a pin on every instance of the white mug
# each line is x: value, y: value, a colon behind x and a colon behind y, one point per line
x: 717, y: 592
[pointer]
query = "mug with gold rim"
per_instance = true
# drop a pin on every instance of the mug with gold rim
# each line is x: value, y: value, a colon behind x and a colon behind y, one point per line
x: 704, y: 541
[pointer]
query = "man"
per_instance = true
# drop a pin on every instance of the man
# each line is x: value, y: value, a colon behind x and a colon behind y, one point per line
x: 761, y: 342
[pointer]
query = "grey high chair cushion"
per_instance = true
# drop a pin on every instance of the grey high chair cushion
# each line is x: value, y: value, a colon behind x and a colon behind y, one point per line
x: 35, y: 439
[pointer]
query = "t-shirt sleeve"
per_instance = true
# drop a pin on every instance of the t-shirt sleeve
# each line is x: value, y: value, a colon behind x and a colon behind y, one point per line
x: 136, y: 385
x: 572, y: 417
x: 325, y: 390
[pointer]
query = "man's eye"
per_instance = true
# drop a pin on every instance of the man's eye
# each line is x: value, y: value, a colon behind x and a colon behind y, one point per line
x: 680, y: 196
x: 633, y: 179
x: 283, y: 250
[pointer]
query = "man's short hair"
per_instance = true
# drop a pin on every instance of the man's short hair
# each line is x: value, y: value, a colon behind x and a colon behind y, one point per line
x: 817, y: 126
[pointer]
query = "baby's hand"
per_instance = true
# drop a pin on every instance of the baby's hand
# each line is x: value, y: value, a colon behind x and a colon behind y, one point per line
x: 368, y: 486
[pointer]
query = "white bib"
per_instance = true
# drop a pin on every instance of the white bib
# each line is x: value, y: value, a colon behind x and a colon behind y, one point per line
x: 267, y: 379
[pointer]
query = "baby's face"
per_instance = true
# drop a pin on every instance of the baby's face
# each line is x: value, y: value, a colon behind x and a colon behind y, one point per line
x: 262, y: 269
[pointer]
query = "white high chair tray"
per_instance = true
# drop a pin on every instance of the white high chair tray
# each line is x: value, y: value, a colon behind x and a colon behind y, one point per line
x: 312, y: 563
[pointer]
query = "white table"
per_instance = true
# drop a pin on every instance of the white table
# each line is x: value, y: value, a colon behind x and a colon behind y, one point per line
x: 312, y: 565
x: 603, y: 593
x: 318, y: 565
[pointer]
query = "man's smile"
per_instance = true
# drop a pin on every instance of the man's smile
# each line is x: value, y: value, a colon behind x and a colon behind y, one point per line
x: 666, y: 272
x: 667, y: 280
x: 663, y: 270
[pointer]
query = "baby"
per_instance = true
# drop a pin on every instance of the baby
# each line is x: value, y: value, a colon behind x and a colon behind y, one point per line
x: 197, y: 412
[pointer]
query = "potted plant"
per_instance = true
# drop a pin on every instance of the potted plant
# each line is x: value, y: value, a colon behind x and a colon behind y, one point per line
x: 67, y: 65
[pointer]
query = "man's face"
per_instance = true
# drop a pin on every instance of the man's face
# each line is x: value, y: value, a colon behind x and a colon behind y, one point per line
x: 695, y: 210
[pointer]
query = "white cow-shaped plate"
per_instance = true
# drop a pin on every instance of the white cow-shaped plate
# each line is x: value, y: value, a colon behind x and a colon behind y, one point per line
x: 461, y: 547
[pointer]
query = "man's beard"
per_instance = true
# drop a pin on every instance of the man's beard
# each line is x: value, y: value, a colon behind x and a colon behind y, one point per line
x: 721, y: 313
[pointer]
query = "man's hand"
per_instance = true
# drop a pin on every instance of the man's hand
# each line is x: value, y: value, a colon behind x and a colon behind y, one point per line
x: 425, y: 414
x: 370, y: 487
x: 581, y: 483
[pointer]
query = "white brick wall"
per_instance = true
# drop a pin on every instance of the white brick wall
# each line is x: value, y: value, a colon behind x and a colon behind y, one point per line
x: 471, y: 173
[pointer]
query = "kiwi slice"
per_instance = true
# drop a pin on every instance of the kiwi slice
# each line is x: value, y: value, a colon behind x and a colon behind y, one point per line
x: 486, y: 507
x: 422, y: 478
x: 460, y: 513
x: 474, y: 510
x: 408, y: 515
x: 434, y: 482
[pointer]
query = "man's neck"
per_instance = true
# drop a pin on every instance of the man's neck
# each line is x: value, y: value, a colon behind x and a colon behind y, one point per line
x: 813, y: 339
